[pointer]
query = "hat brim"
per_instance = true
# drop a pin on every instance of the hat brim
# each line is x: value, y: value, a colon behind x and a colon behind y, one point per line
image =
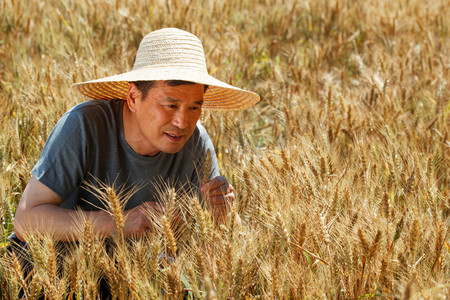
x: 219, y: 95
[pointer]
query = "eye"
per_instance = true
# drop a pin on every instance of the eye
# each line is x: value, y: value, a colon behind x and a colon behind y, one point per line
x: 172, y: 106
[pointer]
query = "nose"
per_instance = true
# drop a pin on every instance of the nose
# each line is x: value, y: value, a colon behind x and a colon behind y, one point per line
x: 180, y: 119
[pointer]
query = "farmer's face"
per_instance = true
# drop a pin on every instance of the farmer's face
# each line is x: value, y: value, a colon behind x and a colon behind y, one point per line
x: 165, y: 118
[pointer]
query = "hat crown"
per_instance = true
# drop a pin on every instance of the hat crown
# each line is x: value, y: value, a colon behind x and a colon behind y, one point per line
x: 170, y: 47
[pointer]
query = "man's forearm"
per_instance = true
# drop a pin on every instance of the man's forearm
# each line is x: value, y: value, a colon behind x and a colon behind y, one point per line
x: 61, y: 223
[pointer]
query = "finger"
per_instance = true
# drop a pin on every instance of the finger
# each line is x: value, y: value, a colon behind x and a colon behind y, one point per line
x: 214, y: 183
x: 220, y: 211
x: 227, y: 201
x: 231, y: 197
x: 220, y: 201
x: 221, y: 190
x: 216, y: 198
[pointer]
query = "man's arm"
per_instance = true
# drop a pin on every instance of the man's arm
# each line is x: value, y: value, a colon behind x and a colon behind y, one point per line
x: 39, y: 212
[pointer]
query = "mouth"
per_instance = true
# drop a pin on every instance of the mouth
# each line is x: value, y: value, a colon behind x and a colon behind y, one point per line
x: 174, y: 137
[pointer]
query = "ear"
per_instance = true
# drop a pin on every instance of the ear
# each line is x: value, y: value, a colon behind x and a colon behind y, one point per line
x: 134, y: 95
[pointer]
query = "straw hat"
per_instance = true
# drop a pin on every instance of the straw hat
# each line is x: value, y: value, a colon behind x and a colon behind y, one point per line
x: 170, y: 54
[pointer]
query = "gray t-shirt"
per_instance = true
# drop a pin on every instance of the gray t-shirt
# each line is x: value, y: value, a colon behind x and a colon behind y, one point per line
x: 88, y: 144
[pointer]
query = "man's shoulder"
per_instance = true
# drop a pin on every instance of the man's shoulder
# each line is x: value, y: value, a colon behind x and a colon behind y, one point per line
x: 95, y: 106
x: 201, y: 131
x: 92, y: 111
x: 199, y: 135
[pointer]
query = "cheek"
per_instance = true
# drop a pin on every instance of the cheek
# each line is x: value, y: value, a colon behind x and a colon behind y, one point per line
x: 196, y: 117
x: 158, y: 118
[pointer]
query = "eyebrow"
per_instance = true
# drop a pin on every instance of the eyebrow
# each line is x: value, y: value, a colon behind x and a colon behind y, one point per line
x: 174, y: 100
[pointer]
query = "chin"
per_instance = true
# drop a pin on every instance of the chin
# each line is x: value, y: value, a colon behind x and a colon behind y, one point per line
x: 172, y: 150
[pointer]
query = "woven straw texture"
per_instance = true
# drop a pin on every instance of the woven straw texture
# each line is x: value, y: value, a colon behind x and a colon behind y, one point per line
x: 170, y: 54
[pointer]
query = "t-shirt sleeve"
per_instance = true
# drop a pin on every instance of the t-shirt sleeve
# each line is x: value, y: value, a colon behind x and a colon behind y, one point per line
x: 63, y: 161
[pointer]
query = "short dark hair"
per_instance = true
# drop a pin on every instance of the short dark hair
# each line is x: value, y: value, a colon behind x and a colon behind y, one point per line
x: 145, y: 86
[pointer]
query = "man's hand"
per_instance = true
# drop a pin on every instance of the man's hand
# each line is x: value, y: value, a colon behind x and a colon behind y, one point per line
x: 138, y: 220
x: 219, y: 196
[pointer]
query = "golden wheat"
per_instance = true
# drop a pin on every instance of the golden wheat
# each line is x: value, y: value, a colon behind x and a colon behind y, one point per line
x: 341, y: 172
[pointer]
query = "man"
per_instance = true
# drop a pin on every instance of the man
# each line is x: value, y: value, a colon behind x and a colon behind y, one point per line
x: 141, y: 130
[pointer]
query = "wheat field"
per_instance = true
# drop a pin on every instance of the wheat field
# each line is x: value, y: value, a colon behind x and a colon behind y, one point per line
x: 341, y: 171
